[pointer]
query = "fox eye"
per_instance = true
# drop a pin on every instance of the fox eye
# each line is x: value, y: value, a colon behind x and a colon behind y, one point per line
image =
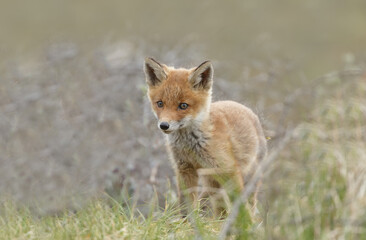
x: 183, y: 106
x: 160, y: 104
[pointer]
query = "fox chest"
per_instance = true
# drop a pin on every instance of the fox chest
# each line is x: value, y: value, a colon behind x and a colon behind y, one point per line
x: 191, y: 150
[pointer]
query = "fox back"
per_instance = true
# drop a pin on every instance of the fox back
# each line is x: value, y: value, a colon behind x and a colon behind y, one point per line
x: 213, y: 144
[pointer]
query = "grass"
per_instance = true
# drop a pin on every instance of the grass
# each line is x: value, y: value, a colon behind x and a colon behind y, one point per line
x: 323, y: 195
x: 101, y: 219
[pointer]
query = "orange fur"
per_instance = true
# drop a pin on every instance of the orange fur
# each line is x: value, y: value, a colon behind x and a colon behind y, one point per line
x: 225, y: 137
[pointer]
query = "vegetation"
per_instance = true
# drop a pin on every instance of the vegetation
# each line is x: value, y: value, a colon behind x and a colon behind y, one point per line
x: 323, y: 181
x: 75, y: 122
x: 99, y: 220
x: 315, y: 188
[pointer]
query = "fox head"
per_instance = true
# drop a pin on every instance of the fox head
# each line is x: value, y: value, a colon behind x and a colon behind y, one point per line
x: 179, y: 97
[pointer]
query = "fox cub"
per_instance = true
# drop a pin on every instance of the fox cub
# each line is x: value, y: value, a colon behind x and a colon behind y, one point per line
x: 213, y: 145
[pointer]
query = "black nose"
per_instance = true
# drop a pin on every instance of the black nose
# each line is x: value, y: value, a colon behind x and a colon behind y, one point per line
x: 164, y: 125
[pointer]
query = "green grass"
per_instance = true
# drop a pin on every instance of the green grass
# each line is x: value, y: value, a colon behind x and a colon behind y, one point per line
x: 102, y: 219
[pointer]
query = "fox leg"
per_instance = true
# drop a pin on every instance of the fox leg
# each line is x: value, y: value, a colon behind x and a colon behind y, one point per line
x: 254, y: 199
x: 187, y: 186
x: 238, y: 180
x: 212, y: 191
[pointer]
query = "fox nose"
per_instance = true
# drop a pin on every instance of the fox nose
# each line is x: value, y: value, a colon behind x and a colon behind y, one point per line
x: 164, y: 125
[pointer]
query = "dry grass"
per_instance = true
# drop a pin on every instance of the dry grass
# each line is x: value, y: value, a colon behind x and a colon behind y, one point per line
x: 318, y: 185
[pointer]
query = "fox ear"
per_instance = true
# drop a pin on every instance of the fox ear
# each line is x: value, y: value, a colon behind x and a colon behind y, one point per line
x: 154, y: 72
x: 202, y: 76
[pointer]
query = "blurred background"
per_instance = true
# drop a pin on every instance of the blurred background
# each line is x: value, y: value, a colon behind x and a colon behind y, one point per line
x: 74, y: 119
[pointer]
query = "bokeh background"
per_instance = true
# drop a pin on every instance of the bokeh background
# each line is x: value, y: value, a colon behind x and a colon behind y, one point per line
x: 74, y: 119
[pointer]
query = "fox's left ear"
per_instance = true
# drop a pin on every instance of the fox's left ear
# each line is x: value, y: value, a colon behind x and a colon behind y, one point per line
x: 202, y: 76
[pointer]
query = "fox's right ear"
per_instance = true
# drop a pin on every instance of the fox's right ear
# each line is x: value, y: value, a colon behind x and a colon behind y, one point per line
x: 154, y: 72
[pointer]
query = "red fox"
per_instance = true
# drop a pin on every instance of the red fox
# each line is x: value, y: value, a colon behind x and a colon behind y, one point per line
x: 223, y: 136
